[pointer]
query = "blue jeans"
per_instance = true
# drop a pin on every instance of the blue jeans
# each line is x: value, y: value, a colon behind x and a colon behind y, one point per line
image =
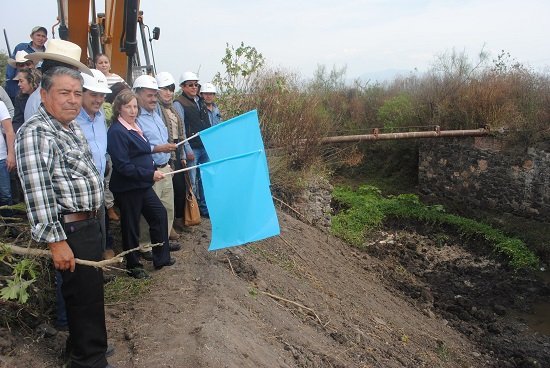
x: 200, y: 158
x: 5, y: 188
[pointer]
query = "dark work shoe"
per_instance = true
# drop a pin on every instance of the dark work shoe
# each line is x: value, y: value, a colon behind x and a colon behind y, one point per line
x: 174, y: 247
x: 138, y: 273
x: 169, y: 263
x: 148, y: 256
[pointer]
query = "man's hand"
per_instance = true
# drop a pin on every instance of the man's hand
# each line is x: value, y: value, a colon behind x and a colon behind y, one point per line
x: 166, y: 148
x: 190, y: 156
x: 62, y: 255
x: 158, y: 175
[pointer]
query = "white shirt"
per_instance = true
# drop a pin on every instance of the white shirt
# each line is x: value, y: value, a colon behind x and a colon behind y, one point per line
x: 4, y: 115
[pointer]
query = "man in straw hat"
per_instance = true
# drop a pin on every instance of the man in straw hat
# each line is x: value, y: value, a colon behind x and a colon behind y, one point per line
x: 18, y: 63
x: 39, y: 36
x: 57, y: 53
x: 64, y: 192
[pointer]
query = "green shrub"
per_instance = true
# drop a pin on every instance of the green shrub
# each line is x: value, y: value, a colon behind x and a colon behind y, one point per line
x: 366, y: 209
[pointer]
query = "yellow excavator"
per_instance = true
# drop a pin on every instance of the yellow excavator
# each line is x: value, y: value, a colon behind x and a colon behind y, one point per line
x: 113, y: 33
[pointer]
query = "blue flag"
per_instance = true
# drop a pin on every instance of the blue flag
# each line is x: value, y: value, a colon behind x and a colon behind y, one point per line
x: 239, y: 200
x: 233, y: 137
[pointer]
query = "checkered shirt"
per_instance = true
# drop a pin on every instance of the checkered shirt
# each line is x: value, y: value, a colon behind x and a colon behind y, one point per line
x: 57, y: 174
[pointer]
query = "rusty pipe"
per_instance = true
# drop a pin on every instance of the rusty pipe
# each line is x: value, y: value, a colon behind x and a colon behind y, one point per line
x: 437, y: 133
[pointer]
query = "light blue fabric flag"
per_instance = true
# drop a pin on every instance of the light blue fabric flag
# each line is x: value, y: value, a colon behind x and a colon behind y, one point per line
x: 233, y: 137
x: 239, y: 200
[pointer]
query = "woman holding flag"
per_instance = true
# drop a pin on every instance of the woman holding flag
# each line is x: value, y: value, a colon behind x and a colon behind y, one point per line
x: 132, y: 185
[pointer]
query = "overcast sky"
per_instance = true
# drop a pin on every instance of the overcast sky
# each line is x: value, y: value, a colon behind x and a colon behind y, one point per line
x: 367, y: 36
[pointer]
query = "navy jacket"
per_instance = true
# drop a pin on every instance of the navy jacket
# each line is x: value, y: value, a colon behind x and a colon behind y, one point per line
x: 133, y: 166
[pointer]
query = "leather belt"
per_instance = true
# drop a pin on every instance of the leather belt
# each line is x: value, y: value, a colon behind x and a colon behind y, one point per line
x: 161, y: 166
x: 78, y: 216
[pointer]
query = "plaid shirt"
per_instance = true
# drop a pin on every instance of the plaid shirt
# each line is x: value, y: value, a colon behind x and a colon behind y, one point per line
x: 57, y: 174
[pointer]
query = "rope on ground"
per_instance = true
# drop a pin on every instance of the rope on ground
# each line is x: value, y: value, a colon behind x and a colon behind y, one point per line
x: 104, y: 264
x: 289, y: 206
x: 276, y: 297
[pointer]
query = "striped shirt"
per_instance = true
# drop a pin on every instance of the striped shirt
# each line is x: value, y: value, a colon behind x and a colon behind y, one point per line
x: 57, y: 174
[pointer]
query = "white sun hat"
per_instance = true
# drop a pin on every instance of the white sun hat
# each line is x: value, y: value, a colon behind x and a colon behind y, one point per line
x: 62, y: 51
x: 19, y: 58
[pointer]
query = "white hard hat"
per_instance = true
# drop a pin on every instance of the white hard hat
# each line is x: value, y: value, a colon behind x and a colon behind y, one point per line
x: 208, y: 88
x: 97, y: 83
x: 145, y: 81
x: 165, y: 79
x: 188, y: 76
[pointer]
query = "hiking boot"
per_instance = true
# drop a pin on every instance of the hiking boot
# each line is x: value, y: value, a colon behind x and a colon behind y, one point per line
x: 138, y: 273
x: 174, y: 247
x: 113, y: 216
x: 148, y: 256
x: 170, y: 262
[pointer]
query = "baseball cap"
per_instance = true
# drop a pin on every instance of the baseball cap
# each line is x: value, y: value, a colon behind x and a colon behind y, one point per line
x: 39, y: 28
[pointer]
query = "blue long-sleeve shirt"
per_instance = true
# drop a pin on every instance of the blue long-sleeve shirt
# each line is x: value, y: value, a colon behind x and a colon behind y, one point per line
x: 154, y: 129
x: 95, y: 131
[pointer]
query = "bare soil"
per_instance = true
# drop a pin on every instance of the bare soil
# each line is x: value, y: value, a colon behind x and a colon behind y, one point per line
x: 306, y: 299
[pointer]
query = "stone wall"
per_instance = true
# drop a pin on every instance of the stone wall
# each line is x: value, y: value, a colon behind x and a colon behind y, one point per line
x: 484, y: 172
x: 314, y: 203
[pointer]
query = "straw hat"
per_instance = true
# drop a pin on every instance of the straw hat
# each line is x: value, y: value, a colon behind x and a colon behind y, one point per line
x: 62, y: 51
x: 19, y: 58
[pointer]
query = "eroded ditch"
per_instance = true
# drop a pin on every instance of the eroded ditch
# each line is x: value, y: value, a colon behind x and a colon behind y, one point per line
x: 478, y: 296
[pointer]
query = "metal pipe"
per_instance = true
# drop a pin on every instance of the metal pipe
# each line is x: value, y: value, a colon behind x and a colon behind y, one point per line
x: 95, y: 33
x: 406, y: 135
x: 63, y: 30
x: 144, y: 42
x: 7, y: 43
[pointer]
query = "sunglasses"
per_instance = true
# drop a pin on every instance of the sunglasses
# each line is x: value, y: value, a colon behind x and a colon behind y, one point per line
x: 192, y: 85
x: 26, y: 63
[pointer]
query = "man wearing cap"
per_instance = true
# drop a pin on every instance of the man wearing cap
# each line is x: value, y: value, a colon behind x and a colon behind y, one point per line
x: 39, y: 36
x: 208, y: 94
x: 194, y: 114
x: 64, y: 192
x: 153, y: 127
x: 58, y: 53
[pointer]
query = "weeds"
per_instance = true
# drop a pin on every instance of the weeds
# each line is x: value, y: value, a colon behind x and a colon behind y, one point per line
x: 124, y: 289
x: 366, y: 209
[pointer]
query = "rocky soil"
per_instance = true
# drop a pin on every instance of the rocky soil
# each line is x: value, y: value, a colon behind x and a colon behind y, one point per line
x: 306, y: 299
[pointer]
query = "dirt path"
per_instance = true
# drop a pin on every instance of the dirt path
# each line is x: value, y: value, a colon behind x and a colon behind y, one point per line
x: 201, y: 313
x: 306, y: 299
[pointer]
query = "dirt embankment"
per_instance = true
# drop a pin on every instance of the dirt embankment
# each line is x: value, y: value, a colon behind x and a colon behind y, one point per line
x: 306, y: 299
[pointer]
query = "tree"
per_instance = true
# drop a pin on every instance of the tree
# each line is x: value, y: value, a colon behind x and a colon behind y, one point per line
x: 3, y: 65
x: 241, y: 65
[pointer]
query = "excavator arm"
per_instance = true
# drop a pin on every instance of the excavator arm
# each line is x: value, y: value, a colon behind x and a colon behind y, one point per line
x: 112, y: 33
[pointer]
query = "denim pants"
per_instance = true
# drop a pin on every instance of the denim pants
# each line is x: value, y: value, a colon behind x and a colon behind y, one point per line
x: 5, y: 188
x: 200, y: 158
